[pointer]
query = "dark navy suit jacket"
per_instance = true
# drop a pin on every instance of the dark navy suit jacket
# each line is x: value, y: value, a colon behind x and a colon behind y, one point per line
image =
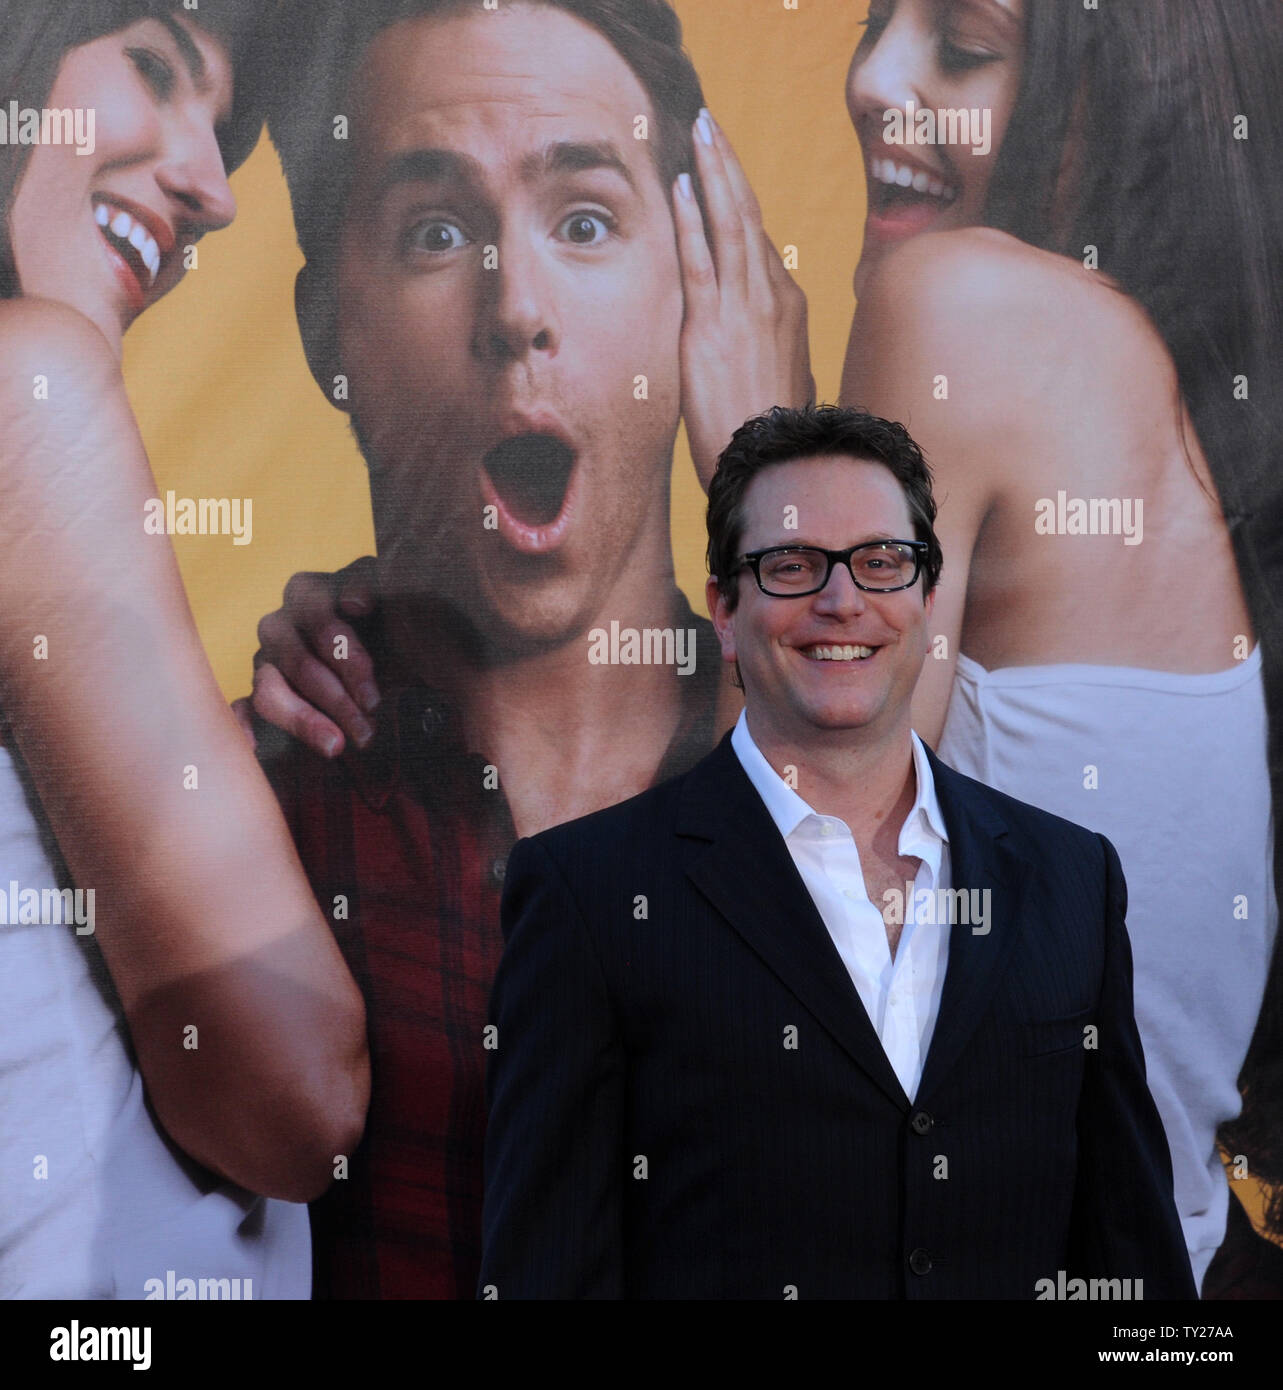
x: 688, y: 1100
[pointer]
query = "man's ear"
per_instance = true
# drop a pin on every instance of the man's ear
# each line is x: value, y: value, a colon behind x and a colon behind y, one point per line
x: 723, y: 621
x: 316, y: 308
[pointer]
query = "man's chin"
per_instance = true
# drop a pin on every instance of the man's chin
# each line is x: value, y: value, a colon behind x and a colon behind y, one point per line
x: 840, y: 718
x: 513, y: 620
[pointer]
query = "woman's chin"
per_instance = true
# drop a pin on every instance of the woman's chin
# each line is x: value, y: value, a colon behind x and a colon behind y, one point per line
x: 870, y: 259
x: 106, y: 318
x: 883, y: 236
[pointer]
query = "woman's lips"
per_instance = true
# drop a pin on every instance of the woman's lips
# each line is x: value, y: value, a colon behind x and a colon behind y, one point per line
x: 901, y: 221
x: 135, y: 296
x: 136, y: 241
x: 131, y: 236
x: 904, y: 199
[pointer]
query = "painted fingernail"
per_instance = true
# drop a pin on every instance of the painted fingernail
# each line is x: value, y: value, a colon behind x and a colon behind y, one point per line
x: 684, y: 185
x: 368, y: 696
x: 704, y: 125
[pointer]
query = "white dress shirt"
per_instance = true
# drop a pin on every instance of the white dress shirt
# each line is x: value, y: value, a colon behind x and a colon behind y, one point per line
x: 901, y: 996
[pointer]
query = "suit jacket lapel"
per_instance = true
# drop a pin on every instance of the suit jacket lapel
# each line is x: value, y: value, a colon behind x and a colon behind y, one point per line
x: 980, y: 857
x: 746, y: 872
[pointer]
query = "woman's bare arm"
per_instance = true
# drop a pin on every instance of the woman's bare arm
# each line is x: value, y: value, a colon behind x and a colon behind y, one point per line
x: 912, y: 357
x: 249, y: 1031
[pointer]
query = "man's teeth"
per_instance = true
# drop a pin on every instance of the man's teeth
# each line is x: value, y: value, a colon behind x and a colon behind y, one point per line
x: 901, y: 175
x: 837, y: 653
x: 126, y: 228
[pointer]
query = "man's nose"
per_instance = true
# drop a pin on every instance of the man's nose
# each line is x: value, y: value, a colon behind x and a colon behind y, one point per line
x: 841, y: 596
x: 192, y: 173
x: 518, y: 293
x: 890, y: 73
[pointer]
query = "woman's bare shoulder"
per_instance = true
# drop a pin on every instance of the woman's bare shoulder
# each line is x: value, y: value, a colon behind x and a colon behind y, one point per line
x: 1005, y: 329
x: 62, y: 398
x: 979, y: 290
x: 41, y: 336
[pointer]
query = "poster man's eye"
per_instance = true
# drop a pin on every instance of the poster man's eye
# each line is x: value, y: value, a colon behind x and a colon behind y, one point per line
x: 435, y: 235
x: 587, y: 228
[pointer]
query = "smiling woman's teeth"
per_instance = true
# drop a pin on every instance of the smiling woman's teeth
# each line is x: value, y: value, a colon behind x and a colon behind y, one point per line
x: 126, y: 228
x: 837, y: 653
x: 889, y: 172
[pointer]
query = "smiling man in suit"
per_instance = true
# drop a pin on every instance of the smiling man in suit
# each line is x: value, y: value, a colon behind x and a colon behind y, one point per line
x: 821, y: 1018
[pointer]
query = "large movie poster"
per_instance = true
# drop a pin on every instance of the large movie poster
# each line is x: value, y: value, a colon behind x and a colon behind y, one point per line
x: 366, y: 365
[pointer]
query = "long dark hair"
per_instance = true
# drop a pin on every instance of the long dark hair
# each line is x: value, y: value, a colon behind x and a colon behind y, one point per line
x: 34, y: 39
x: 1154, y: 132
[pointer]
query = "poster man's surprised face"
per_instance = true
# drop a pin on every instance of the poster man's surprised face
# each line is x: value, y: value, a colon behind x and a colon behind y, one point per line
x: 509, y: 314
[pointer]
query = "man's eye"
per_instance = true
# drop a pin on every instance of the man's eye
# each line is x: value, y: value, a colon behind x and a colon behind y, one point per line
x: 587, y: 228
x: 436, y: 235
x: 155, y: 70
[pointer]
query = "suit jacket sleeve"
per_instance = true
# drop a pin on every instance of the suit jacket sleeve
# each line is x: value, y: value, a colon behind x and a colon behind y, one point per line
x: 552, y: 1221
x: 1124, y: 1222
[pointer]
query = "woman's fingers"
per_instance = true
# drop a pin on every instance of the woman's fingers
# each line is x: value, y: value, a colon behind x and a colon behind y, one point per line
x: 310, y: 608
x: 759, y: 254
x: 357, y: 587
x: 744, y: 333
x: 750, y: 208
x: 286, y: 648
x: 726, y: 230
x: 313, y: 676
x: 699, y: 276
x: 275, y: 701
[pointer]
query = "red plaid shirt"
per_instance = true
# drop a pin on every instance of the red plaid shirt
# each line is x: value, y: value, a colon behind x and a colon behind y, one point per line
x: 406, y: 849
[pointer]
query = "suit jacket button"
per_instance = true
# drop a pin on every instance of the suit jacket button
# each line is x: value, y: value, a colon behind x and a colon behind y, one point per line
x: 920, y: 1262
x: 921, y: 1122
x: 497, y: 871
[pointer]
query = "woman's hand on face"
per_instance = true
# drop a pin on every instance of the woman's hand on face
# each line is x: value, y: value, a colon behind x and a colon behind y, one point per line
x: 744, y: 341
x: 312, y: 675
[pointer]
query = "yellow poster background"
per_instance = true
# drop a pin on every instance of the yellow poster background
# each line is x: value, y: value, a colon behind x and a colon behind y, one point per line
x: 227, y: 407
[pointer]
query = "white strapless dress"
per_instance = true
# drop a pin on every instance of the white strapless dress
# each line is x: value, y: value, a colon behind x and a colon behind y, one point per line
x: 94, y: 1199
x: 1172, y: 768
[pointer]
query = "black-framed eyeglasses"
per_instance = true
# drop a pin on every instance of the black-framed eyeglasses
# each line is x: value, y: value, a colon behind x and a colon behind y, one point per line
x: 794, y: 571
